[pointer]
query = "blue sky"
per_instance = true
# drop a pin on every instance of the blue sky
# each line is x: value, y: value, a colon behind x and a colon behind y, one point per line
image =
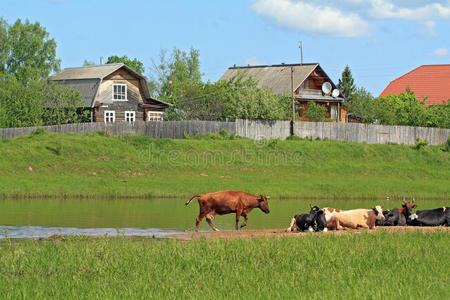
x: 379, y: 39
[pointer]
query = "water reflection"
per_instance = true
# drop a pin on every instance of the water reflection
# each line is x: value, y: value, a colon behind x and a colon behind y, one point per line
x: 45, y: 232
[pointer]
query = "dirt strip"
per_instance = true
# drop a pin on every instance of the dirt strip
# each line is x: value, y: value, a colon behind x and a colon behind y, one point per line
x: 282, y: 233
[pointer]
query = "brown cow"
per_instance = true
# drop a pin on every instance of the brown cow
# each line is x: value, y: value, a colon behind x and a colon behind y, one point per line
x: 225, y: 202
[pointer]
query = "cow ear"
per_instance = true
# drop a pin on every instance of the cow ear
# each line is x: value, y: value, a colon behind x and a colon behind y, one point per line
x: 260, y: 198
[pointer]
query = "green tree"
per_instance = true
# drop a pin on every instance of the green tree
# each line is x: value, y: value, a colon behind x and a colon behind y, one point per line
x: 20, y: 104
x: 438, y: 115
x: 177, y: 77
x: 346, y: 84
x: 26, y: 51
x: 403, y: 109
x: 134, y: 63
x: 62, y: 105
x: 37, y: 103
x: 316, y: 112
x: 362, y: 106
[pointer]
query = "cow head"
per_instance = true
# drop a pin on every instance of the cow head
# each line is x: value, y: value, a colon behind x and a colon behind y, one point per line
x: 408, y: 206
x: 263, y: 204
x: 378, y: 210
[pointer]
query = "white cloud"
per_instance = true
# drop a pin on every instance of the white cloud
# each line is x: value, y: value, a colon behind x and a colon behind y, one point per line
x: 312, y: 18
x: 427, y: 29
x: 382, y: 9
x: 439, y: 52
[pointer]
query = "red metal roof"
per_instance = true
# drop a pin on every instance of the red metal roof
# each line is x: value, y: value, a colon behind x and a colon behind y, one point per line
x: 432, y: 81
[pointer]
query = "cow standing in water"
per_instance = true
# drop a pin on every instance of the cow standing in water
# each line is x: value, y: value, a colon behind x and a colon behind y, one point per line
x: 226, y: 202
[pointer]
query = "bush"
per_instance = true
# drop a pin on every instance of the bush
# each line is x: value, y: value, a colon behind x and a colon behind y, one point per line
x: 420, y: 144
x: 316, y: 112
x: 446, y: 147
x: 39, y: 131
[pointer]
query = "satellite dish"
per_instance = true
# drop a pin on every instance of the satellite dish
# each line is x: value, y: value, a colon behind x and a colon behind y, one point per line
x: 335, y: 93
x: 326, y: 87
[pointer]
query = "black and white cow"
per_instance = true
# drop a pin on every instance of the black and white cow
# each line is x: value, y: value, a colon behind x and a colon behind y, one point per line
x: 313, y: 221
x: 397, y: 216
x: 430, y: 217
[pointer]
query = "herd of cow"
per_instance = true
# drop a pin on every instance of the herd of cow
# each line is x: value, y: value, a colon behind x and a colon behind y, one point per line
x: 331, y: 218
x: 318, y: 219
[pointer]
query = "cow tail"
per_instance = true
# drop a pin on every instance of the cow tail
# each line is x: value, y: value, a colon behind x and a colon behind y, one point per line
x: 190, y: 200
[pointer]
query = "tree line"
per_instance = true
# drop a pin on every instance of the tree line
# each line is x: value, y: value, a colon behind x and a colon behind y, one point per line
x: 403, y: 109
x: 28, y: 98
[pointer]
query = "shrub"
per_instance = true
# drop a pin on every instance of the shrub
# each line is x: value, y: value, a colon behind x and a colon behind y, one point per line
x: 420, y: 144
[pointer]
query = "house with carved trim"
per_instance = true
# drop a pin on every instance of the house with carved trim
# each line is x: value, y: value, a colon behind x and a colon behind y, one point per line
x: 308, y: 82
x: 112, y: 93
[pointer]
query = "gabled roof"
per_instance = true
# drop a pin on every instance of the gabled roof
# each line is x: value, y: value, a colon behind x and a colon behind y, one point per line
x: 427, y: 81
x: 275, y: 77
x: 278, y: 79
x: 89, y: 72
x: 88, y: 79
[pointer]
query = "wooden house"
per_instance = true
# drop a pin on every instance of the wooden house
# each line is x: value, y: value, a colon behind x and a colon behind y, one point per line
x: 113, y: 93
x: 305, y: 80
x: 430, y: 83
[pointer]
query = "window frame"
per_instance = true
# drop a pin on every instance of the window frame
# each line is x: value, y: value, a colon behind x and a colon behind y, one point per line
x: 133, y: 113
x: 126, y: 91
x: 159, y: 118
x: 113, y: 116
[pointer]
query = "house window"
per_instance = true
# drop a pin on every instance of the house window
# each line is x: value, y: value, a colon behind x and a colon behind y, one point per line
x: 305, y: 84
x: 130, y: 116
x: 155, y: 116
x: 110, y: 116
x: 119, y: 92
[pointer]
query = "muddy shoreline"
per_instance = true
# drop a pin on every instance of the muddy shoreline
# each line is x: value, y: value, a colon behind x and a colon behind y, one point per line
x: 278, y: 233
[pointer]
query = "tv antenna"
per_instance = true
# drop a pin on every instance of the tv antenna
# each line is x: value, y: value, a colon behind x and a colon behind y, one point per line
x: 300, y: 45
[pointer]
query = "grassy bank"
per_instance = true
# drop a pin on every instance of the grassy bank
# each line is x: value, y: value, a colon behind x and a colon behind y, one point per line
x: 376, y: 265
x: 92, y: 165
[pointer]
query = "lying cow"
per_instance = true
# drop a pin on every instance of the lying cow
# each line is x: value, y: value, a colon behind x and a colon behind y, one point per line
x: 431, y: 217
x: 314, y: 221
x: 329, y: 212
x: 225, y: 202
x: 356, y: 218
x: 397, y: 216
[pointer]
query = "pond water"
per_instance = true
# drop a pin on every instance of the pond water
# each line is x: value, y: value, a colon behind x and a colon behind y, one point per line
x: 144, y: 217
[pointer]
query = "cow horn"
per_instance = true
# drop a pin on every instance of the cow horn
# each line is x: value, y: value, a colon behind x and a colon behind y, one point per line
x: 267, y: 197
x: 413, y: 200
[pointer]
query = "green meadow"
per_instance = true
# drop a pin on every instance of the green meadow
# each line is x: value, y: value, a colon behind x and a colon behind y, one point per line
x: 97, y: 165
x: 376, y: 265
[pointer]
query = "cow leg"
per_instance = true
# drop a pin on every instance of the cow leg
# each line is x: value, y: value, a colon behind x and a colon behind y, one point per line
x: 197, y: 221
x: 245, y: 220
x: 209, y: 219
x: 291, y: 226
x: 238, y: 215
x: 364, y: 225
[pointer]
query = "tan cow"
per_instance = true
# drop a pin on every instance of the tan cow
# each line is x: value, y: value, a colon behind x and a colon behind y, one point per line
x: 329, y: 212
x: 356, y: 218
x: 225, y: 202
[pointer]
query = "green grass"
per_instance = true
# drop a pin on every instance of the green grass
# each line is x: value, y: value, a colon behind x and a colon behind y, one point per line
x: 94, y: 165
x: 376, y: 265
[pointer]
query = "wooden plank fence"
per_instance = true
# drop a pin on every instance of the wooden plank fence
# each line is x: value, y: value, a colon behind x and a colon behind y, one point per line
x: 352, y: 132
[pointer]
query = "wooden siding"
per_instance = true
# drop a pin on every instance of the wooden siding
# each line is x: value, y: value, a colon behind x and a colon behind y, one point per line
x: 120, y: 114
x: 135, y: 92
